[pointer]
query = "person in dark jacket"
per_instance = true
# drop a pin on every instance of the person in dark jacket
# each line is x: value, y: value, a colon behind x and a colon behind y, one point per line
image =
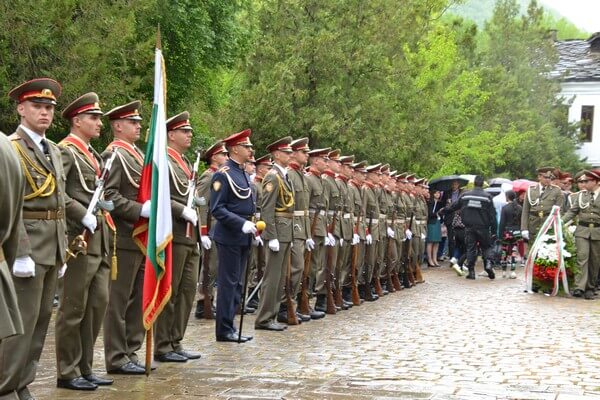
x: 479, y: 218
x: 510, y: 231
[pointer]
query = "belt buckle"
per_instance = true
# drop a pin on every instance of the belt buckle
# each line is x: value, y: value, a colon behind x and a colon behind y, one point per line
x: 60, y: 214
x: 592, y: 225
x: 48, y: 214
x: 541, y: 214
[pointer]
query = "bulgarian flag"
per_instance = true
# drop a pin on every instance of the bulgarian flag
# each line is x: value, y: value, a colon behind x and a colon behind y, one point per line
x: 154, y: 235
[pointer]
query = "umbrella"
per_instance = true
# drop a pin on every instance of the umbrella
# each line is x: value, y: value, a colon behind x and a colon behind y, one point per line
x: 499, y: 181
x: 444, y: 183
x: 493, y: 190
x: 471, y: 180
x: 521, y: 185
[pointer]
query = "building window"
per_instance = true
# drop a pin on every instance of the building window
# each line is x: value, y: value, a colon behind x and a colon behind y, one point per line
x: 587, y: 123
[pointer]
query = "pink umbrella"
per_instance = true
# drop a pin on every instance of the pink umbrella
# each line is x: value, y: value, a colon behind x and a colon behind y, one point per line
x: 521, y: 185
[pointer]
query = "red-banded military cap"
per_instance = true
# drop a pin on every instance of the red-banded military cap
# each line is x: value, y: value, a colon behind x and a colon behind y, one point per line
x: 401, y: 177
x: 360, y: 166
x: 264, y: 160
x: 179, y: 121
x: 566, y: 176
x: 385, y: 169
x: 239, y: 139
x: 393, y: 173
x: 410, y: 178
x: 347, y: 160
x: 40, y: 90
x: 548, y: 172
x: 283, y: 144
x: 373, y: 168
x: 300, y: 145
x: 89, y: 103
x: 217, y: 148
x: 419, y: 181
x: 334, y: 155
x: 593, y: 174
x: 320, y: 152
x: 129, y: 111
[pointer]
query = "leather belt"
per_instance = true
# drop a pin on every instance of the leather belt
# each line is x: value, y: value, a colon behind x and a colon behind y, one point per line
x: 588, y: 224
x: 47, y: 215
x: 401, y: 220
x: 347, y: 215
x: 312, y: 211
x: 420, y: 222
x: 1, y: 255
x: 257, y: 215
x: 543, y: 214
x: 373, y: 221
x: 383, y: 216
x: 301, y: 213
x: 330, y: 213
x: 284, y: 214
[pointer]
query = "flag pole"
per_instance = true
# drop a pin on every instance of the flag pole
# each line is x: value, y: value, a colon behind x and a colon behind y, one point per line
x: 148, y: 364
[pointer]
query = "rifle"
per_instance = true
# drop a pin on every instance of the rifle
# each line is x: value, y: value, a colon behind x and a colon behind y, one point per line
x: 376, y: 280
x: 192, y: 192
x: 206, y: 290
x: 330, y: 309
x: 304, y: 305
x: 79, y: 243
x: 392, y: 275
x: 355, y: 295
x: 292, y: 318
x: 407, y: 276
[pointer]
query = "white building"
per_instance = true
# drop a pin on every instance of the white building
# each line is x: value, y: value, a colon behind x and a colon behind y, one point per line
x: 579, y: 69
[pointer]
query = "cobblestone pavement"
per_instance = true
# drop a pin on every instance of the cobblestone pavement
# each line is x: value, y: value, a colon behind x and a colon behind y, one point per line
x: 448, y: 338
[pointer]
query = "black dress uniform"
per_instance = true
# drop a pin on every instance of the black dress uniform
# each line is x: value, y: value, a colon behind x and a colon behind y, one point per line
x: 232, y: 204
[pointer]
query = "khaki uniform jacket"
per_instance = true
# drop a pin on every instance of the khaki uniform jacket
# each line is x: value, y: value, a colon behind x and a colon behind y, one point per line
x: 203, y: 195
x: 346, y: 217
x: 80, y: 187
x: 178, y: 185
x: 317, y: 201
x: 536, y: 207
x: 45, y: 240
x: 272, y: 203
x: 122, y: 188
x: 11, y: 203
x: 301, y: 199
x: 420, y: 215
x: 333, y: 202
x: 588, y: 212
x: 355, y: 196
x: 371, y: 207
x: 384, y: 212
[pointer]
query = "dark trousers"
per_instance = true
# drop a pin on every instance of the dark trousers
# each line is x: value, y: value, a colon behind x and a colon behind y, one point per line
x: 473, y: 237
x: 230, y: 280
x: 451, y: 238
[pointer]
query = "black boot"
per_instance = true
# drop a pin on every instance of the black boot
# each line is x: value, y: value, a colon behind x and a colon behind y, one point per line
x: 489, y: 269
x: 321, y: 304
x: 374, y: 294
x: 199, y: 314
x: 471, y: 274
x: 253, y: 303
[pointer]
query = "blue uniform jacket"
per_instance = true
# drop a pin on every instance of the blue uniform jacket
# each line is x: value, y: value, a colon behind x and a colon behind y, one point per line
x: 229, y: 211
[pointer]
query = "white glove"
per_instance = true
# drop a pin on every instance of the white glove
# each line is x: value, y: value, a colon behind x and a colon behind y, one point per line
x: 341, y: 242
x: 274, y: 245
x: 525, y: 235
x: 329, y: 240
x: 391, y: 233
x: 257, y: 241
x: 423, y: 236
x: 90, y: 222
x: 145, y: 209
x: 369, y: 239
x: 190, y: 215
x: 249, y: 227
x: 408, y: 234
x: 309, y: 244
x: 355, y: 239
x: 570, y: 228
x: 24, y: 267
x: 206, y: 243
x: 62, y: 270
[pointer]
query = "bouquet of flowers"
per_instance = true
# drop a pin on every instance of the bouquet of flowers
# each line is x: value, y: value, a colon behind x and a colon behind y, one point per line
x: 551, y: 258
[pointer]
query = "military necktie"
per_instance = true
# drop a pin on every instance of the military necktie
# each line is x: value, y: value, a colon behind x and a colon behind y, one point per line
x: 46, y: 149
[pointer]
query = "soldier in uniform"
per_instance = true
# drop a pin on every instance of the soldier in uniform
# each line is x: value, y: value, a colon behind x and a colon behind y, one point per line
x: 371, y: 209
x: 420, y: 228
x: 586, y: 207
x: 355, y: 196
x: 11, y: 204
x: 405, y: 225
x: 123, y: 328
x: 172, y: 322
x: 84, y: 297
x: 42, y: 246
x: 257, y: 263
x: 538, y: 203
x: 302, y: 240
x: 215, y: 156
x: 232, y: 205
x: 277, y: 210
x: 317, y: 204
x: 346, y: 224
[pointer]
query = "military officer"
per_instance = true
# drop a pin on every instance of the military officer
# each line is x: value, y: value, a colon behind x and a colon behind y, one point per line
x: 232, y: 205
x: 215, y: 156
x: 301, y: 223
x: 42, y: 248
x: 371, y: 209
x: 538, y: 202
x: 586, y: 207
x: 355, y: 196
x: 346, y: 224
x: 123, y: 328
x: 277, y: 210
x: 405, y: 224
x: 257, y: 262
x: 11, y: 204
x: 172, y: 322
x: 84, y: 297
